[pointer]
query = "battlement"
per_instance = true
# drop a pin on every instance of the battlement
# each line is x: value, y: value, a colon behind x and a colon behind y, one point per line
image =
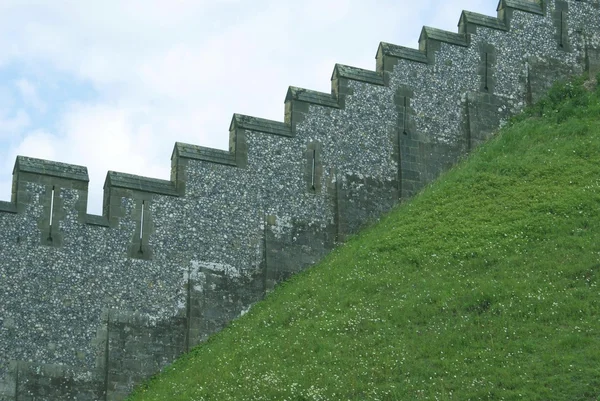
x: 170, y: 262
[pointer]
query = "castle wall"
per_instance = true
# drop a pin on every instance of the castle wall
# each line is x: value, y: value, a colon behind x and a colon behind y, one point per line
x: 92, y: 305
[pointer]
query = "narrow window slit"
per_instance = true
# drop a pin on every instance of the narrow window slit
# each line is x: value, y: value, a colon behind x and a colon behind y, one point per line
x: 561, y: 29
x: 51, y: 214
x: 405, y: 116
x: 314, y: 163
x: 486, y: 71
x: 142, y: 227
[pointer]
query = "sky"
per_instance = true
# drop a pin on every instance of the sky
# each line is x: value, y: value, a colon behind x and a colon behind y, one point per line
x: 113, y: 84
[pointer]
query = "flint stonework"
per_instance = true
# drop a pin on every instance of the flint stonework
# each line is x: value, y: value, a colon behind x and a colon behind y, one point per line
x: 92, y: 305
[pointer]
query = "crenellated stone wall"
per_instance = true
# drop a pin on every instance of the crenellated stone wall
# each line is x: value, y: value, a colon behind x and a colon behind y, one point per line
x: 91, y: 305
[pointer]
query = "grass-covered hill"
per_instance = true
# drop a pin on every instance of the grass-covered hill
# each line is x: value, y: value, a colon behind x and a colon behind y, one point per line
x: 486, y: 286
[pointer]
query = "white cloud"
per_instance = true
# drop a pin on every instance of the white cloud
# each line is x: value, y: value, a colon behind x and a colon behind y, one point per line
x: 39, y: 144
x: 101, y: 135
x: 13, y: 126
x: 30, y: 95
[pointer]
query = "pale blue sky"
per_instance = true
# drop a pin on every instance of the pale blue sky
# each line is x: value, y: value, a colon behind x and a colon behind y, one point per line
x: 112, y: 84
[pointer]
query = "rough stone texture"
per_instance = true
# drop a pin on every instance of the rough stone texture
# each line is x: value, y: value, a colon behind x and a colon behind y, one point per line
x: 92, y: 305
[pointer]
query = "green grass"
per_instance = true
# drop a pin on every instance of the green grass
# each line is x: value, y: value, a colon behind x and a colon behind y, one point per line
x: 483, y: 287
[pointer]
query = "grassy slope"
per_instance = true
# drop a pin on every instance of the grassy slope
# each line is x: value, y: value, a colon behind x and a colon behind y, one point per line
x: 485, y: 286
